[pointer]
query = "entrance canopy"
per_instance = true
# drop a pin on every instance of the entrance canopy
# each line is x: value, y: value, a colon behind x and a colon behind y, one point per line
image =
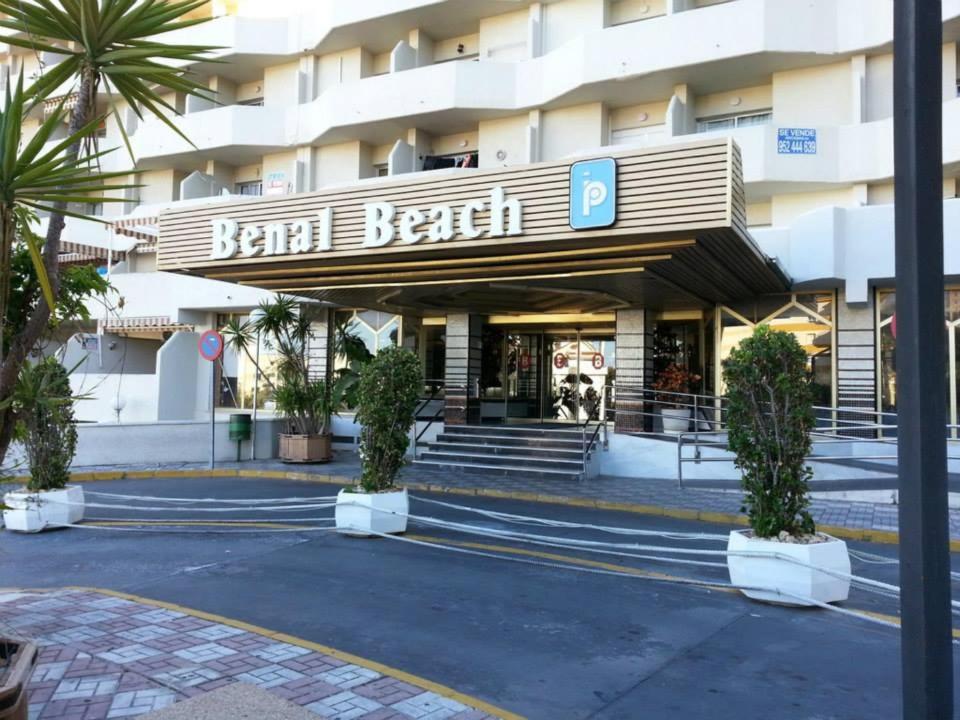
x: 651, y: 227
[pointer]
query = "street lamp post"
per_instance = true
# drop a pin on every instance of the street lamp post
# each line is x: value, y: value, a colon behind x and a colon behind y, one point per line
x: 926, y: 632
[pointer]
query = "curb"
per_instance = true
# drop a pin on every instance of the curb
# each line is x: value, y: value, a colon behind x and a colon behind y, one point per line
x: 883, y: 537
x: 378, y: 667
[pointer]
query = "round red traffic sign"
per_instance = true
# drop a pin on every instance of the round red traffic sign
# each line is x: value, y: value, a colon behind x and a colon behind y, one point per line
x: 211, y: 345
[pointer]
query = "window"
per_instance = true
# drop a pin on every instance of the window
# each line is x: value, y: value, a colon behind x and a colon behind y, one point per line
x: 254, y: 187
x: 459, y: 160
x: 807, y: 316
x: 729, y: 122
x: 237, y: 374
x: 376, y: 329
x: 251, y: 102
x: 382, y: 170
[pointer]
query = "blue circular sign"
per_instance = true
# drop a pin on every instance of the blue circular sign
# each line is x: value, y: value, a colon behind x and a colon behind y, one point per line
x: 211, y: 345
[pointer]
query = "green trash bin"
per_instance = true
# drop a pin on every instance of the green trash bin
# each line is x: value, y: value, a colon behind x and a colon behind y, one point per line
x: 240, y: 426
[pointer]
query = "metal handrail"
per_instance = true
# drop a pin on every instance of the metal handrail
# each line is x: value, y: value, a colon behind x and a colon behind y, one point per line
x: 439, y: 385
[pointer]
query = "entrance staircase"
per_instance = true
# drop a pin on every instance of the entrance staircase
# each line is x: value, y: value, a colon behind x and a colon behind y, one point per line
x: 544, y: 452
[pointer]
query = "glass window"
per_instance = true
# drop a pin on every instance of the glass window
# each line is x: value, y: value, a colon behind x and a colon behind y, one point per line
x: 376, y: 329
x: 807, y: 316
x: 237, y: 373
x: 887, y: 351
x: 729, y: 122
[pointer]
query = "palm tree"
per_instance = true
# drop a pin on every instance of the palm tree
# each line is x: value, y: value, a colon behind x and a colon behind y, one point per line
x: 103, y: 43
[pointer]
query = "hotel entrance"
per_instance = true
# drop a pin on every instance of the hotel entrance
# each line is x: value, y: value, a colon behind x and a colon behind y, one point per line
x: 545, y: 375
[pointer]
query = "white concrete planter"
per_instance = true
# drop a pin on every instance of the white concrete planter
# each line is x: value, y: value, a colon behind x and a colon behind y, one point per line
x: 675, y: 420
x: 766, y: 570
x: 33, y: 512
x: 365, y: 514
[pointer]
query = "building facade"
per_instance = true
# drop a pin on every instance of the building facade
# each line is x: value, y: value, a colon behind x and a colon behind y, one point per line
x: 542, y: 199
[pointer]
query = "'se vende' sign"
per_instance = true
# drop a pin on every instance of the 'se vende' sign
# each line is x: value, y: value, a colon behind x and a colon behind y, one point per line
x: 439, y: 224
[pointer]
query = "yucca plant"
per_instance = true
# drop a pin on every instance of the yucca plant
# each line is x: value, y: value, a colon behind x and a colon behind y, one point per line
x: 109, y: 44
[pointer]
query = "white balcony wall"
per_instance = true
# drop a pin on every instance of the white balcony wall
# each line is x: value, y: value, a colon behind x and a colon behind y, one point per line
x: 232, y: 126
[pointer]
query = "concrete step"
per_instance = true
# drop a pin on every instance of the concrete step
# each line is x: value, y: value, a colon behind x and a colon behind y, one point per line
x: 512, y: 440
x: 452, y: 444
x: 481, y: 468
x: 517, y: 462
x: 519, y: 431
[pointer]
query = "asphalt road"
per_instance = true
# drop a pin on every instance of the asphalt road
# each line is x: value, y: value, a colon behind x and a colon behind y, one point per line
x: 540, y: 640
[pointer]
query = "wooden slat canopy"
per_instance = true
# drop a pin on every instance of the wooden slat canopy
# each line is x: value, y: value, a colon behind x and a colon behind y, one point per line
x: 680, y: 231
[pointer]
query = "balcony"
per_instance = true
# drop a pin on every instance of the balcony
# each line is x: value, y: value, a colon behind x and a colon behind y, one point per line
x: 236, y: 134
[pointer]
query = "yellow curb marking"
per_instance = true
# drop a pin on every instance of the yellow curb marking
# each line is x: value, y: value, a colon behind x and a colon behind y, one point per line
x: 882, y: 537
x: 378, y: 667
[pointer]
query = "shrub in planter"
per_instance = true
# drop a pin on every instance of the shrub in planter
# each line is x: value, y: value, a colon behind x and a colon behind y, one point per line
x: 43, y: 407
x: 387, y: 396
x: 673, y: 385
x: 305, y: 402
x: 769, y: 419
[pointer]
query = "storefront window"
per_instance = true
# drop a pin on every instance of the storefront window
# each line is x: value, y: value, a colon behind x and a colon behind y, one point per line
x: 887, y: 352
x: 807, y: 316
x: 377, y: 329
x: 237, y: 374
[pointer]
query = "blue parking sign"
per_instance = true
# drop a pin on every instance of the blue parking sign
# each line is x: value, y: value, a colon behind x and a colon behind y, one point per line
x: 593, y: 194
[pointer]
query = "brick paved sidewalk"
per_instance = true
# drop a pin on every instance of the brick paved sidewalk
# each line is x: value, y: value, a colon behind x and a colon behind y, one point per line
x: 108, y: 657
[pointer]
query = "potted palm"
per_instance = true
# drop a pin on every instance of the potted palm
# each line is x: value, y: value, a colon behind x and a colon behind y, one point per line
x: 387, y: 396
x: 305, y: 402
x: 781, y: 558
x: 673, y: 385
x: 42, y: 406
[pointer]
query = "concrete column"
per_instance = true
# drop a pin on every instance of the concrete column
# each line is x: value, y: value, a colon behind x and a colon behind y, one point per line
x: 681, y: 117
x: 318, y: 347
x: 634, y: 367
x: 308, y: 79
x: 462, y: 371
x: 856, y: 355
x: 423, y: 47
x: 858, y: 90
x: 306, y: 168
x: 535, y: 30
x: 533, y: 136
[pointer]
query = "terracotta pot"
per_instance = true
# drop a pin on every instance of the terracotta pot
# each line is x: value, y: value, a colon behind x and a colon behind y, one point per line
x: 306, y: 448
x: 13, y: 691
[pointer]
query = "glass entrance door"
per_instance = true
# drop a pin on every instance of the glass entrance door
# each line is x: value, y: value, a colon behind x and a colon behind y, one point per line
x: 524, y: 377
x: 580, y: 366
x: 541, y: 376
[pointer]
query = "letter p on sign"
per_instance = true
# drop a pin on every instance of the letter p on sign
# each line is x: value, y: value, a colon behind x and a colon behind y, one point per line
x: 593, y: 194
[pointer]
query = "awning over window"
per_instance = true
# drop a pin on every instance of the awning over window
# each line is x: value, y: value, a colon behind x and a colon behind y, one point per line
x: 142, y: 326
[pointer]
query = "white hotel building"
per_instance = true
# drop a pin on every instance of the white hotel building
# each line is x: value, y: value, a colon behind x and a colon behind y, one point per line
x: 753, y: 162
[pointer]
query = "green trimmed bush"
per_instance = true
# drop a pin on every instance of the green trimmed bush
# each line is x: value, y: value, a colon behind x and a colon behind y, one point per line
x: 769, y: 420
x: 43, y: 406
x: 387, y: 398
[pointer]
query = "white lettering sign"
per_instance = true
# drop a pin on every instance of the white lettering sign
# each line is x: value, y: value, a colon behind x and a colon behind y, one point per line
x: 440, y: 223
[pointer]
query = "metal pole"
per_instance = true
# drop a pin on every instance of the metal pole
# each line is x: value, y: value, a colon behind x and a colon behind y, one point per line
x: 213, y: 411
x: 256, y: 388
x: 926, y: 653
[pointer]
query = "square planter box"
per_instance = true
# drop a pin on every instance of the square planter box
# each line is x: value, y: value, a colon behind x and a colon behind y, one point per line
x: 360, y: 513
x: 32, y: 512
x: 13, y: 688
x: 794, y: 579
x: 306, y: 448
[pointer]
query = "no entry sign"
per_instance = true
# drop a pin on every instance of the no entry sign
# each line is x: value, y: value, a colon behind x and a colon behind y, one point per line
x: 211, y: 345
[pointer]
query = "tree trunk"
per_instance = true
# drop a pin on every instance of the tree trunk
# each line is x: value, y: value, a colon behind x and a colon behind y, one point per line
x: 21, y: 345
